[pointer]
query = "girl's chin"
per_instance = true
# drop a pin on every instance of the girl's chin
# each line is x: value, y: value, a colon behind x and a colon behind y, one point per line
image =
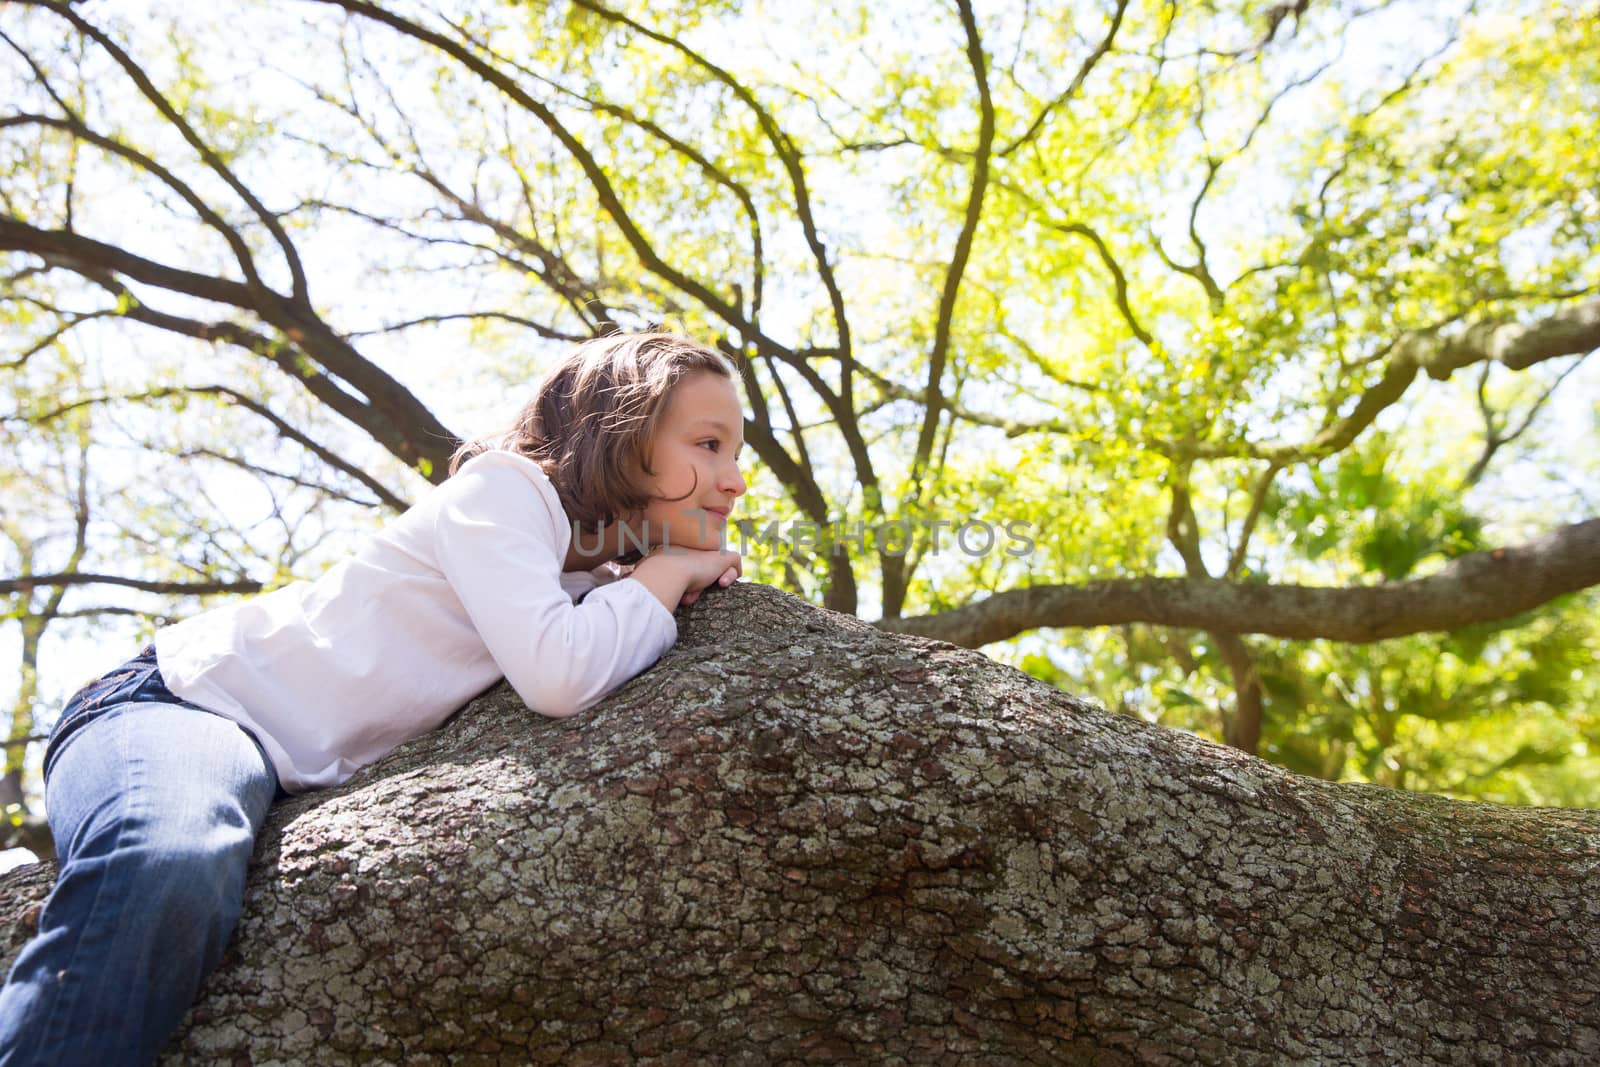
x: 703, y: 540
x: 701, y: 531
x: 707, y: 540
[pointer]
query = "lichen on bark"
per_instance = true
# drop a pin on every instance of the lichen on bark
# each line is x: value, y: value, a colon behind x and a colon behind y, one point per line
x: 801, y: 839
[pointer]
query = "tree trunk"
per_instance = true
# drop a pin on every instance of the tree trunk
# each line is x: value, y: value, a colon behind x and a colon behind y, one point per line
x: 801, y: 839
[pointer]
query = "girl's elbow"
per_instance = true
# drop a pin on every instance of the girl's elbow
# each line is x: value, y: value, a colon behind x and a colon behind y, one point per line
x: 555, y: 701
x: 552, y: 707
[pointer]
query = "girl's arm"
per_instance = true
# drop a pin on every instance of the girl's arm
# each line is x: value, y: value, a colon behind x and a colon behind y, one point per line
x: 499, y: 539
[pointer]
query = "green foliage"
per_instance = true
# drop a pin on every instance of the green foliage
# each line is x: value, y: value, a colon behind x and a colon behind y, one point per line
x: 1362, y: 512
x: 1193, y: 267
x: 1484, y: 713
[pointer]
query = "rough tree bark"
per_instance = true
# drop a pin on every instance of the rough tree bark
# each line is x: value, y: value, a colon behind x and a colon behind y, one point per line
x: 802, y: 839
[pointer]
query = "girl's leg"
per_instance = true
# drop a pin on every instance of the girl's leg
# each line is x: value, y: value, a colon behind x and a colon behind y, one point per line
x: 154, y: 809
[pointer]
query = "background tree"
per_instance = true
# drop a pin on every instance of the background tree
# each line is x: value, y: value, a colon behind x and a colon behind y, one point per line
x: 1223, y: 304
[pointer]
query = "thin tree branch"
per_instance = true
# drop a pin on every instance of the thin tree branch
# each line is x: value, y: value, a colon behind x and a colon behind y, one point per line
x: 70, y: 321
x: 285, y: 430
x: 1494, y: 439
x: 80, y: 131
x: 1072, y: 89
x: 1257, y: 500
x: 939, y: 355
x: 63, y: 579
x: 539, y: 328
x: 793, y: 165
x: 66, y: 10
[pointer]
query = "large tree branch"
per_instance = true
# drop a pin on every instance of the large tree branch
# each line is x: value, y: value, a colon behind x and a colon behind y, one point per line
x: 353, y: 386
x: 891, y: 853
x: 1481, y: 587
x: 85, y: 255
x: 1568, y: 331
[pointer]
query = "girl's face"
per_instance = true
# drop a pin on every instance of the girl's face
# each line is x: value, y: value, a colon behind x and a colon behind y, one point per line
x: 695, y: 456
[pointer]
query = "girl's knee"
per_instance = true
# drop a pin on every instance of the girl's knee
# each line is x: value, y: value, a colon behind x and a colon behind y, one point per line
x: 193, y: 894
x: 169, y: 830
x: 195, y: 877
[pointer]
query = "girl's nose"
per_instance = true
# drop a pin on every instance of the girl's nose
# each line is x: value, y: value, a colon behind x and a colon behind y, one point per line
x: 733, y: 482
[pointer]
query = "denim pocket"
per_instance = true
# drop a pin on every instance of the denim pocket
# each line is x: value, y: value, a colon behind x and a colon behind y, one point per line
x: 88, y: 702
x: 93, y: 696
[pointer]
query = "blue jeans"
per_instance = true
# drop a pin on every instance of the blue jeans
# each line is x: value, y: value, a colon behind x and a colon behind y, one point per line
x: 154, y: 805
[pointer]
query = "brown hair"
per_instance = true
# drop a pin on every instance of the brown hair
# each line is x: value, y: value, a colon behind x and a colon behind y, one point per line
x: 591, y: 423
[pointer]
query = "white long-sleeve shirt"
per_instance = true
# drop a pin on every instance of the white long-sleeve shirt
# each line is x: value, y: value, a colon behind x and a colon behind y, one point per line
x: 464, y: 588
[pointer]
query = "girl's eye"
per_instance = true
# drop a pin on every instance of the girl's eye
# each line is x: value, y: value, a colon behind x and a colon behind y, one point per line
x: 713, y: 444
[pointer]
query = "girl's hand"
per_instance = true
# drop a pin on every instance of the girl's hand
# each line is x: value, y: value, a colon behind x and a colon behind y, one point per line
x: 724, y: 580
x: 677, y: 576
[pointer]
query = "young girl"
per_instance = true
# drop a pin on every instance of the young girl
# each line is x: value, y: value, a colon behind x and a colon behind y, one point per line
x: 159, y: 775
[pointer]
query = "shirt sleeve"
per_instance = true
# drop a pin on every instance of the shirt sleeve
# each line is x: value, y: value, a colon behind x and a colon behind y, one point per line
x: 500, y: 537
